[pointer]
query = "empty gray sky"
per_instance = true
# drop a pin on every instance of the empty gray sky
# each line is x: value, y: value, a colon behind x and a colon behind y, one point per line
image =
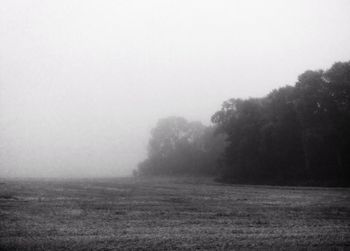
x: 83, y: 82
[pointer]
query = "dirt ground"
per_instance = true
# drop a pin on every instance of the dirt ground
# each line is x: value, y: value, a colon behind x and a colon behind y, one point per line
x: 170, y: 214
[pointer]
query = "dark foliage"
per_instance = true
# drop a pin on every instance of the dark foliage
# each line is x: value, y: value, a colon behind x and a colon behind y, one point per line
x: 294, y: 135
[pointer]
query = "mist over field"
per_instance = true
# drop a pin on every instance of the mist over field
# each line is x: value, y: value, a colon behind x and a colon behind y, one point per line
x: 83, y: 83
x: 175, y: 125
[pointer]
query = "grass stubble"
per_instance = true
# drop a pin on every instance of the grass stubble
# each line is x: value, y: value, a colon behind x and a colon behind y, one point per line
x: 170, y: 214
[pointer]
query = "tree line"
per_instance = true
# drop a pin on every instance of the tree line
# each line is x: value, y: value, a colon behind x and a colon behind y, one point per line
x: 296, y: 135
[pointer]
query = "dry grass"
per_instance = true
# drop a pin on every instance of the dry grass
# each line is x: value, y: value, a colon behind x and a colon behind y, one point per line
x: 168, y: 214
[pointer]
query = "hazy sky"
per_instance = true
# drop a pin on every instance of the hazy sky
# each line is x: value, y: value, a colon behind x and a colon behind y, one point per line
x: 83, y: 82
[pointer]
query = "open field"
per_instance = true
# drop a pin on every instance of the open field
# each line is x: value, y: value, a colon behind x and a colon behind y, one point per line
x: 162, y: 214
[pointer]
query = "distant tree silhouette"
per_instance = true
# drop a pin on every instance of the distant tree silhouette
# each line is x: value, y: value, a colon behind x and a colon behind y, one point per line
x: 179, y: 147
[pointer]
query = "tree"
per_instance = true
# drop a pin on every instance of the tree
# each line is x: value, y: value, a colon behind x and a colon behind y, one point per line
x: 179, y: 147
x: 241, y: 121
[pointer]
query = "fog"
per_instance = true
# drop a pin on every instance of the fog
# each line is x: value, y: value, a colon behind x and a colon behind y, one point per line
x: 83, y: 82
